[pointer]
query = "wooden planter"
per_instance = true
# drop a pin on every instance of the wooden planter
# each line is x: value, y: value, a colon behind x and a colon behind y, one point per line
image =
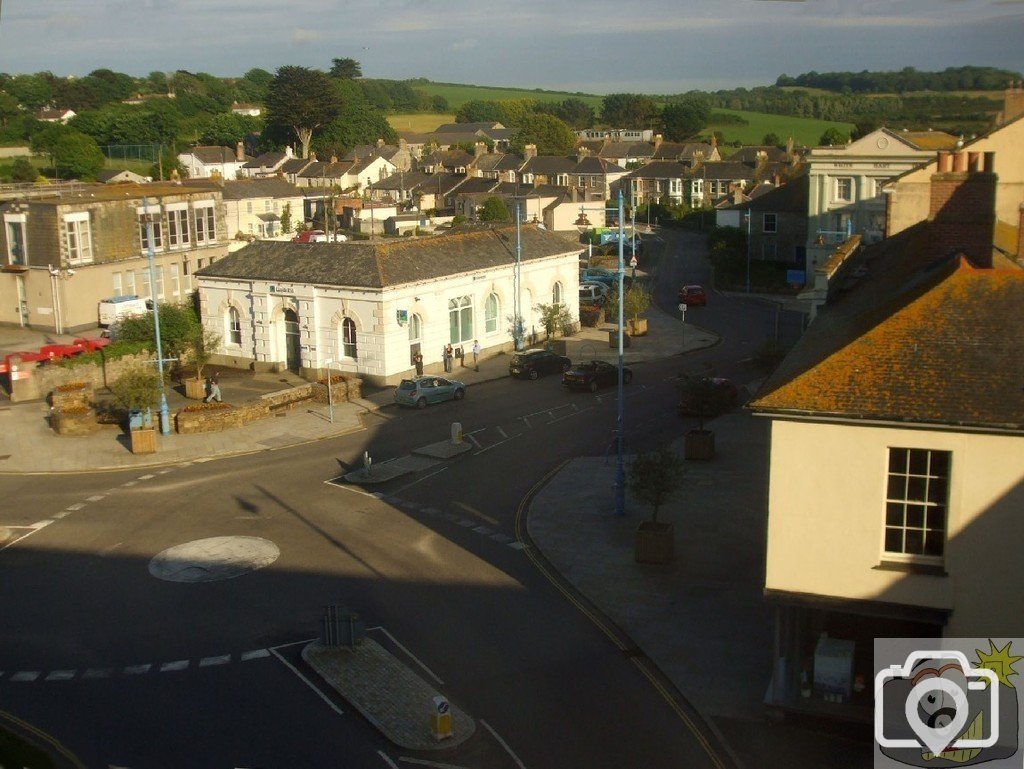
x: 613, y: 338
x: 700, y: 444
x: 195, y: 388
x: 638, y: 326
x: 143, y: 440
x: 655, y: 542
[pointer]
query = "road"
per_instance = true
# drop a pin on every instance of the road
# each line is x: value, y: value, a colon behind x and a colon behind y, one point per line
x: 135, y: 671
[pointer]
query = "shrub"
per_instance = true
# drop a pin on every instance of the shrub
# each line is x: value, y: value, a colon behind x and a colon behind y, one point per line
x: 110, y: 352
x: 137, y: 388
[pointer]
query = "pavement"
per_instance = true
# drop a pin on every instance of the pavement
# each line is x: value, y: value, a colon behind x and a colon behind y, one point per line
x: 701, y: 619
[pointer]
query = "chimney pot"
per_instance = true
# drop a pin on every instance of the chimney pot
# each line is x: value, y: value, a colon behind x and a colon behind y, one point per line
x: 960, y: 162
x: 990, y: 163
x: 945, y: 162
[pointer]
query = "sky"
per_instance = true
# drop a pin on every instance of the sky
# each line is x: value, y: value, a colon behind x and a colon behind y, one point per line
x: 590, y: 46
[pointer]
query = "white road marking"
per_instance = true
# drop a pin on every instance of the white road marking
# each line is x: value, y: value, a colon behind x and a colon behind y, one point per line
x: 128, y: 484
x: 467, y: 523
x: 98, y: 673
x: 527, y: 422
x: 108, y: 550
x: 25, y: 675
x: 176, y: 665
x: 353, y: 489
x: 62, y: 514
x: 410, y: 655
x: 387, y: 760
x: 146, y: 477
x: 41, y: 524
x: 201, y: 460
x: 499, y: 537
x: 483, y: 530
x: 503, y: 744
x: 137, y: 670
x: 255, y: 654
x: 474, y: 440
x: 33, y: 529
x: 293, y: 643
x: 222, y: 659
x: 166, y: 470
x: 501, y: 432
x: 421, y: 478
x: 78, y: 505
x: 95, y: 498
x: 424, y: 762
x: 308, y: 683
x: 61, y: 675
x: 493, y: 445
x: 517, y: 545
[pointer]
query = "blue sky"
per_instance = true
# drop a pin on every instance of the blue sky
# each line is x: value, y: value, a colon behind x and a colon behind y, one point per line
x: 594, y: 46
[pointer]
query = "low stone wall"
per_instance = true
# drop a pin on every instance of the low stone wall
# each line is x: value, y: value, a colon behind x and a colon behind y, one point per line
x: 341, y: 390
x: 44, y: 379
x: 74, y: 420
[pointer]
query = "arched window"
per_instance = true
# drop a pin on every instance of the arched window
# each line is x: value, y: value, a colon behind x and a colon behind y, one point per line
x: 415, y: 327
x: 234, y: 326
x: 460, y: 319
x: 556, y: 293
x: 491, y: 311
x: 348, y: 338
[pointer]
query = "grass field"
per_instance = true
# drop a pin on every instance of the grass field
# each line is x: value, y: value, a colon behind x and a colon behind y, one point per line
x: 805, y: 131
x: 457, y: 95
x: 419, y: 122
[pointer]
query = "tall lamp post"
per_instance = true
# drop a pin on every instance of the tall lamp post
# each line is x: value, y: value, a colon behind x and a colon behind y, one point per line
x: 750, y: 215
x: 620, y: 471
x: 330, y: 394
x: 165, y: 421
x: 517, y: 280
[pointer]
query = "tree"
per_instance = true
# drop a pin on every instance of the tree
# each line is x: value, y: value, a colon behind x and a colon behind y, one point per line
x: 493, y: 210
x: 226, y: 129
x: 685, y: 118
x: 301, y: 99
x: 286, y: 218
x: 137, y: 388
x: 23, y: 171
x: 771, y: 140
x: 199, y: 346
x: 8, y: 109
x: 575, y: 112
x: 551, y: 135
x: 44, y: 141
x: 637, y: 300
x: 653, y: 476
x: 356, y: 124
x: 346, y: 69
x: 555, y: 318
x: 833, y: 137
x: 479, y: 111
x: 32, y: 91
x: 179, y: 325
x: 77, y: 155
x: 627, y: 110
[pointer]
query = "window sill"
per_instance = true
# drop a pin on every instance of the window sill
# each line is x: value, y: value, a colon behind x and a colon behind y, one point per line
x: 925, y: 569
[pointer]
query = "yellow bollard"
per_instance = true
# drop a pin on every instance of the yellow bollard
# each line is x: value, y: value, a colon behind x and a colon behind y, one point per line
x: 441, y: 719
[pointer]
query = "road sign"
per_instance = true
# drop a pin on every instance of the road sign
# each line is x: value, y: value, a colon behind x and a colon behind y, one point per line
x: 633, y: 262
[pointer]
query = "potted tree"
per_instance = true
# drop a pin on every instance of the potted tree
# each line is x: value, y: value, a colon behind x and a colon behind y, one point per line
x: 702, y: 397
x: 200, y: 346
x: 137, y: 390
x: 653, y: 477
x: 636, y: 301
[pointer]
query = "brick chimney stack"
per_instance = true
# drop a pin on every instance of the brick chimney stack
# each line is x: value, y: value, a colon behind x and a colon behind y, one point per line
x: 240, y: 152
x: 1013, y: 101
x: 479, y: 148
x: 962, y: 208
x: 529, y: 151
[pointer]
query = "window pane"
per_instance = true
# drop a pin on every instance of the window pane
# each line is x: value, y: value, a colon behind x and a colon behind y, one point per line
x: 940, y: 464
x: 937, y: 491
x: 898, y: 460
x: 933, y: 543
x: 916, y: 488
x: 915, y: 516
x: 914, y: 542
x: 897, y: 487
x: 937, y: 518
x: 918, y: 462
x: 453, y: 326
x: 894, y: 514
x: 894, y: 540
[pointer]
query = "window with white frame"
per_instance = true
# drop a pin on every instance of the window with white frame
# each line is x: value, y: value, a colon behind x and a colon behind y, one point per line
x: 492, y: 309
x: 581, y: 181
x: 769, y: 223
x: 248, y: 206
x: 16, y: 250
x: 556, y: 293
x: 234, y: 326
x: 158, y: 276
x: 844, y: 188
x: 348, y: 338
x: 175, y: 280
x: 675, y: 187
x: 177, y: 227
x: 562, y: 180
x: 527, y: 178
x: 129, y: 282
x: 916, y: 503
x: 415, y: 327
x: 460, y: 319
x: 206, y: 230
x: 78, y: 238
x: 146, y: 215
x: 145, y: 287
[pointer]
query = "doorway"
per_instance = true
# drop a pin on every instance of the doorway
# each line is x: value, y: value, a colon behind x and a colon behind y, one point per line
x: 293, y: 350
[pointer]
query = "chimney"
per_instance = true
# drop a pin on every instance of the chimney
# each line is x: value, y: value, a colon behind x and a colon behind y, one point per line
x: 714, y: 141
x: 334, y: 158
x: 737, y: 195
x: 402, y: 144
x: 312, y: 157
x: 380, y: 143
x: 1013, y: 101
x: 479, y: 148
x: 657, y: 141
x: 288, y: 151
x: 962, y: 206
x: 581, y: 152
x: 529, y: 151
x: 240, y: 152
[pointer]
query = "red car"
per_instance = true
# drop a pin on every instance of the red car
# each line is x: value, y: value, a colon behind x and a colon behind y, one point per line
x: 693, y: 296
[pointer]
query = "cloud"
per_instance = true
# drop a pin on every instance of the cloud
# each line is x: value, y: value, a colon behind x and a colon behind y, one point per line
x: 464, y: 45
x: 300, y: 35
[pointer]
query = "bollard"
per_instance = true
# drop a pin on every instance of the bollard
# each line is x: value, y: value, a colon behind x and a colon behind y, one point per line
x: 441, y: 719
x: 367, y: 462
x: 456, y: 432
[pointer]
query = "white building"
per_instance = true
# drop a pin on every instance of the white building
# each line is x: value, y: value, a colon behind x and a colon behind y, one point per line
x: 368, y: 307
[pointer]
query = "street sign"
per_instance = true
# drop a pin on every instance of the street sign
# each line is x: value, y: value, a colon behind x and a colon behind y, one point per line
x: 682, y: 308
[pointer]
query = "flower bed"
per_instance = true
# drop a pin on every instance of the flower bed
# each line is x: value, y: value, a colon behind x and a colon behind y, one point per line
x: 71, y: 395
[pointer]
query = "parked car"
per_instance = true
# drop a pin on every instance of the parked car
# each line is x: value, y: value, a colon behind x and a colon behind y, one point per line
x: 693, y: 295
x: 594, y: 374
x: 318, y: 236
x: 599, y: 275
x: 422, y: 390
x: 593, y: 293
x: 720, y: 396
x: 535, y: 363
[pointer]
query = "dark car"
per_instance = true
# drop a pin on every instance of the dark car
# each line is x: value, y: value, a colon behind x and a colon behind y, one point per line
x: 708, y: 397
x: 693, y: 296
x: 594, y: 374
x: 536, y: 363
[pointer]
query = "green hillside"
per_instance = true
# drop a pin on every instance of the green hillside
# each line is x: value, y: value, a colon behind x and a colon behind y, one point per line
x: 805, y: 131
x: 457, y: 95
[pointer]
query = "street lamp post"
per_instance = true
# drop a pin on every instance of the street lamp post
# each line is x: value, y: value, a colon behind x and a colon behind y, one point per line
x: 165, y: 421
x: 749, y: 215
x: 620, y: 472
x: 330, y: 394
x: 517, y: 279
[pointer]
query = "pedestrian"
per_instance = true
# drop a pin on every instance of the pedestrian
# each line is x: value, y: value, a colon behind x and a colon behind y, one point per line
x: 476, y: 355
x: 449, y: 354
x: 214, y: 390
x: 417, y: 360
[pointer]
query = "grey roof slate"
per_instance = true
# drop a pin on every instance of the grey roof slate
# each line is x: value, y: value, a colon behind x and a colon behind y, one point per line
x: 387, y: 264
x: 266, y: 160
x: 272, y: 187
x: 213, y: 154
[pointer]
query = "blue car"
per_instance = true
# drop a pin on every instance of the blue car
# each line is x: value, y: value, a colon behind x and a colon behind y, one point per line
x: 609, y: 278
x: 422, y: 390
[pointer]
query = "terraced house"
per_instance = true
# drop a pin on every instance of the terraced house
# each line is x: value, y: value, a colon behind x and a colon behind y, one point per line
x: 63, y: 254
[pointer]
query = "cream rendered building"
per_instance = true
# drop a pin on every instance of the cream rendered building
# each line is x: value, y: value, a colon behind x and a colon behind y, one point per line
x: 368, y: 307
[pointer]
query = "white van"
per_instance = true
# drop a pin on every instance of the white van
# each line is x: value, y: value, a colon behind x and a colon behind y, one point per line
x: 117, y: 307
x: 593, y: 293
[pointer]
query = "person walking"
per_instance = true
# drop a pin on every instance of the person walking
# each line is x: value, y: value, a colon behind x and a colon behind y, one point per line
x: 417, y: 360
x: 449, y: 355
x: 476, y: 355
x: 214, y: 390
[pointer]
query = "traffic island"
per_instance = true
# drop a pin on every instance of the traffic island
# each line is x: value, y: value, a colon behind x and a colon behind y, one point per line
x: 396, y: 700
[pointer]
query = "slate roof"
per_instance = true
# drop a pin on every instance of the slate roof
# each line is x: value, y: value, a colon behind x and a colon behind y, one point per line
x: 266, y: 160
x: 213, y: 154
x: 661, y: 169
x: 748, y: 155
x: 791, y: 198
x: 924, y: 340
x: 272, y: 187
x: 723, y: 169
x: 448, y: 159
x: 929, y: 140
x: 388, y: 264
x: 324, y: 169
x: 407, y: 180
x: 295, y: 165
x: 681, y: 150
x: 549, y: 164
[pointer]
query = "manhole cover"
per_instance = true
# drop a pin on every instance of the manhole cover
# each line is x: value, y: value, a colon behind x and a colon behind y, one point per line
x: 213, y: 559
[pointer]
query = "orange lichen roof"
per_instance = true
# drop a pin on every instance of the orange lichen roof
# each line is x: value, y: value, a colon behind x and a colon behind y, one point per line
x: 952, y: 354
x: 932, y: 140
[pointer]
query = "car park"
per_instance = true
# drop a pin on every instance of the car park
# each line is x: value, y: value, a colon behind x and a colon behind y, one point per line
x: 712, y: 396
x: 593, y: 375
x: 423, y: 390
x: 533, y: 364
x: 693, y: 296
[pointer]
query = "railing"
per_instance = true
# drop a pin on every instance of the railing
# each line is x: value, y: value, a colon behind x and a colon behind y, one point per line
x: 32, y: 190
